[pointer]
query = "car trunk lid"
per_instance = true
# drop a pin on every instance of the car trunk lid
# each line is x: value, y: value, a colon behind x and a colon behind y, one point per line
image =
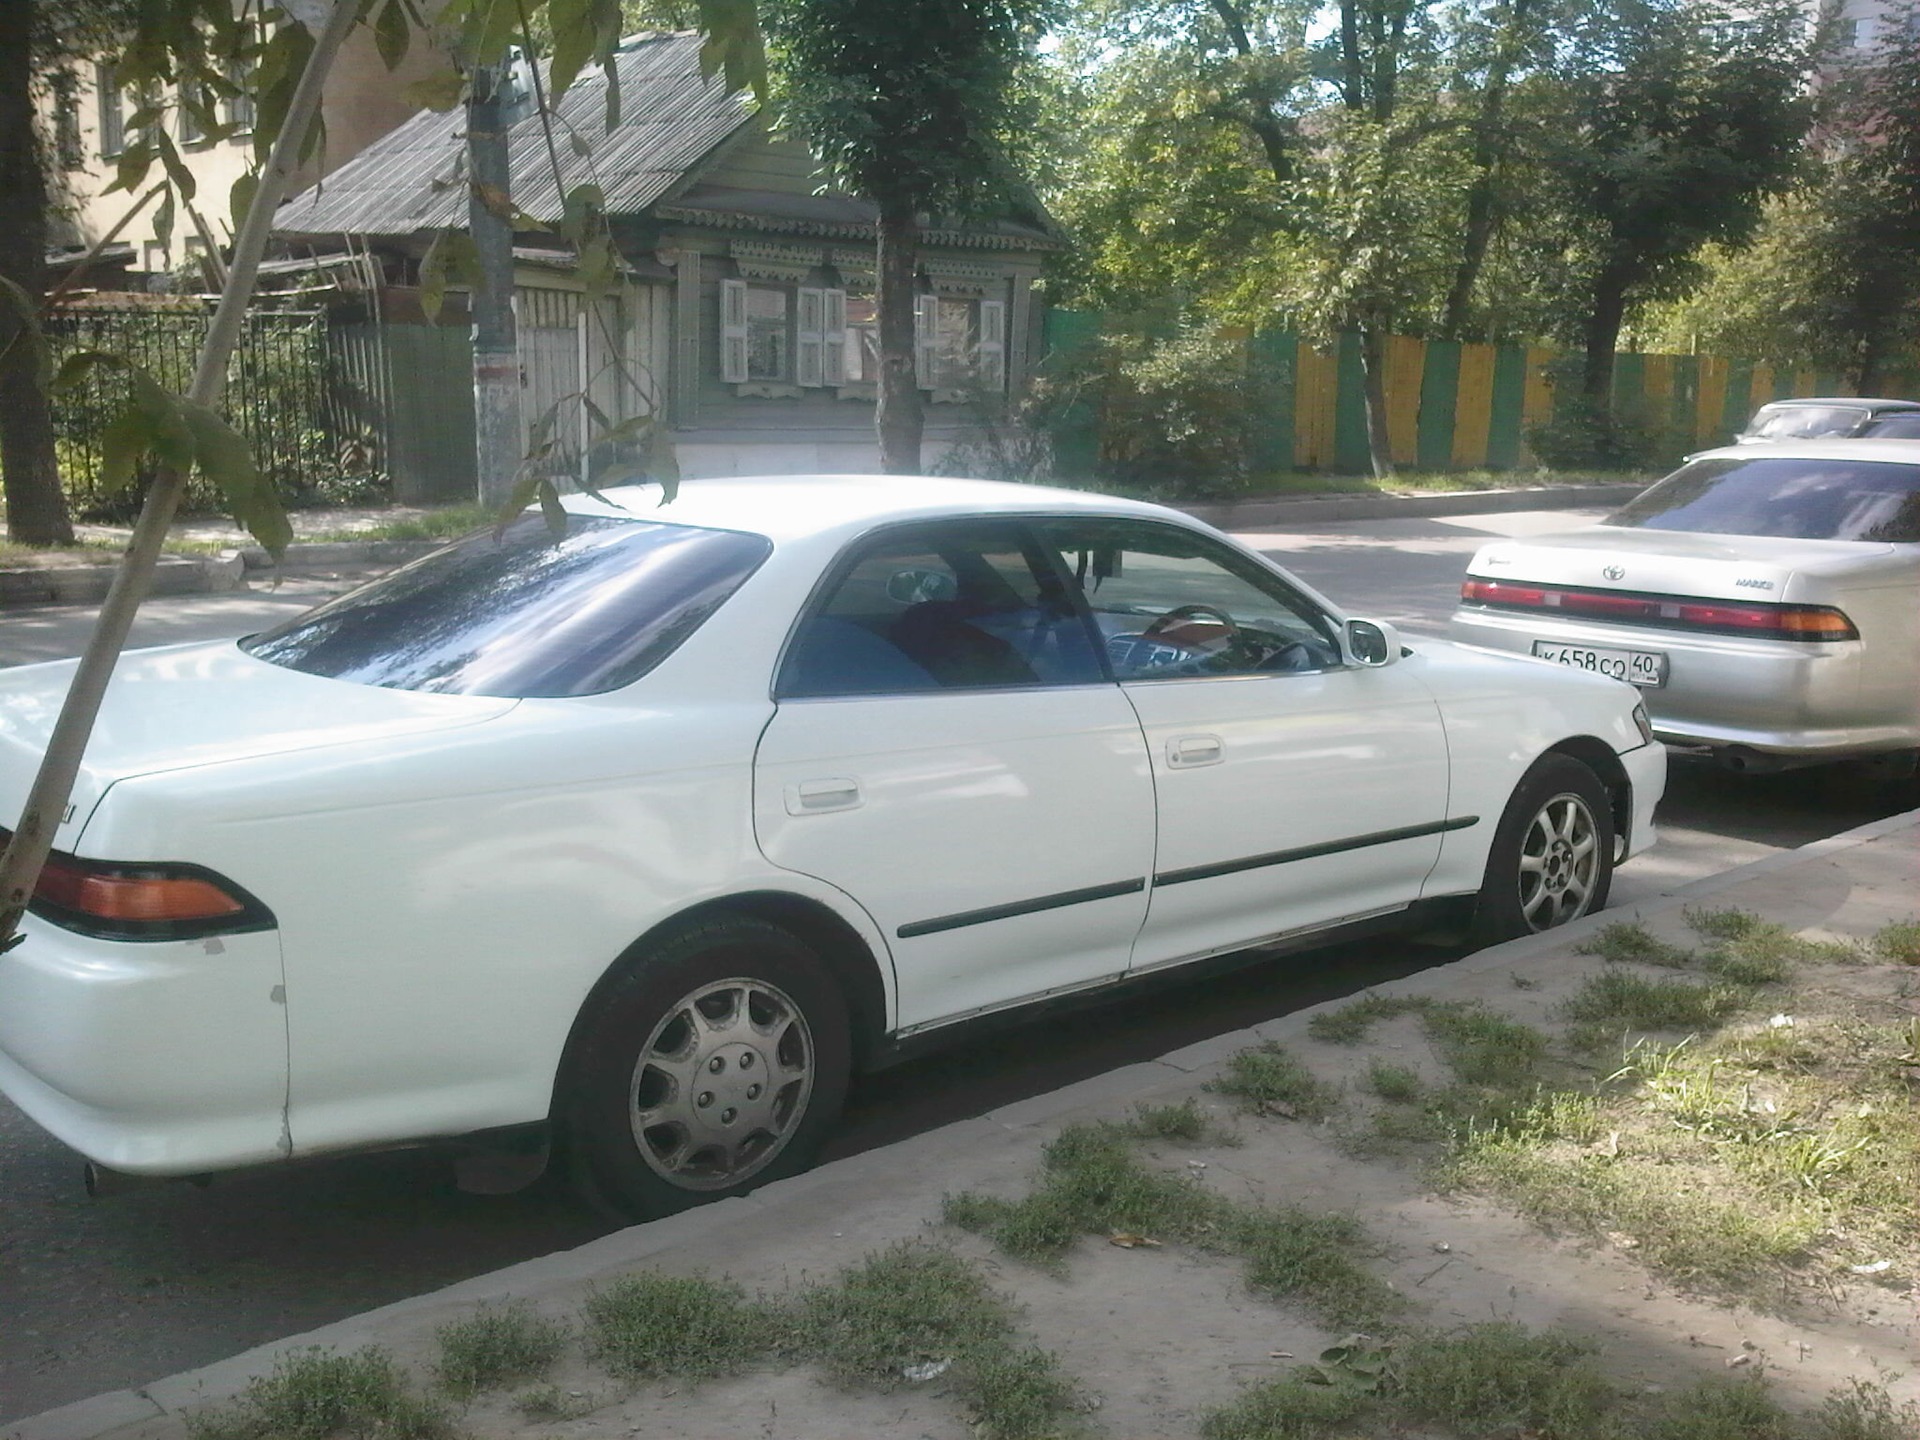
x: 190, y: 705
x: 1671, y: 562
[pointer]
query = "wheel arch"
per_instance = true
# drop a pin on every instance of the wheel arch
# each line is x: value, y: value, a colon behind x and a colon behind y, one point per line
x: 1599, y: 757
x: 841, y: 948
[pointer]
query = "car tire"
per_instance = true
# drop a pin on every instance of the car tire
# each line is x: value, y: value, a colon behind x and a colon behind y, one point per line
x: 712, y: 1064
x: 1552, y: 855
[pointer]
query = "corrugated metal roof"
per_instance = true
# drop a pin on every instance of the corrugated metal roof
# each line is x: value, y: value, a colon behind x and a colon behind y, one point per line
x: 411, y: 179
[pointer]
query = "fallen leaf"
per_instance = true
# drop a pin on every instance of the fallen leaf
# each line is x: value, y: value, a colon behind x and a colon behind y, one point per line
x: 1279, y: 1354
x: 1127, y: 1240
x: 1734, y: 1362
x: 926, y: 1370
x: 1441, y: 1247
x: 1872, y: 1267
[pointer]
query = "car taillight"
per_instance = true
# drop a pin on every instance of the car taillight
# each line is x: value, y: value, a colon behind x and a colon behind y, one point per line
x: 1673, y: 612
x: 142, y: 902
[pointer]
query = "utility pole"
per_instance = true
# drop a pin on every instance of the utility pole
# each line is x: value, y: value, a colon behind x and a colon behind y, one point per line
x: 498, y: 439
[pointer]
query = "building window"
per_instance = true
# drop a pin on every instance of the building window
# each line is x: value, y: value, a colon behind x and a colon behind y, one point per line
x: 863, y: 340
x: 769, y: 346
x: 113, y: 116
x: 239, y: 105
x: 69, y: 149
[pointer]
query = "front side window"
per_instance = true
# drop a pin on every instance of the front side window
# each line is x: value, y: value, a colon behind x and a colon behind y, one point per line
x: 1170, y: 604
x: 527, y: 614
x: 1793, y: 499
x: 954, y: 608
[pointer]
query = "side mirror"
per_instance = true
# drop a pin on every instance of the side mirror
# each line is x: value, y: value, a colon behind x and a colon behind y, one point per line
x: 1372, y: 642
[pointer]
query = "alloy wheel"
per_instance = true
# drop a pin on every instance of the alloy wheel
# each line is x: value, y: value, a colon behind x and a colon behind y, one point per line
x: 1559, y: 863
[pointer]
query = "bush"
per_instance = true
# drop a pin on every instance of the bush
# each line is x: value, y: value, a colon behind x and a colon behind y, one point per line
x: 1180, y: 413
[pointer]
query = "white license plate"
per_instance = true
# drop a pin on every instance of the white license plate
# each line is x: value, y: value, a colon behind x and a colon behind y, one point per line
x: 1646, y: 668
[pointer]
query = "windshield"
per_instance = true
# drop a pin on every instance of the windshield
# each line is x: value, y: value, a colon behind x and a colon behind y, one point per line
x: 1794, y: 499
x: 527, y: 614
x: 1802, y: 422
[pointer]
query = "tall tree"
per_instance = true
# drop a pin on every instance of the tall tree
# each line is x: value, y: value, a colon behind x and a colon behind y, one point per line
x: 1682, y: 117
x: 914, y: 105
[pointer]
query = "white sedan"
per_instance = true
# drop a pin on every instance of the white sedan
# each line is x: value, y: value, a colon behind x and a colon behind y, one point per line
x: 1764, y: 598
x: 649, y: 834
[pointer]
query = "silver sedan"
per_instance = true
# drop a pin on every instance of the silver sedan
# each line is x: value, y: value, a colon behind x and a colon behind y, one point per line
x: 1765, y: 599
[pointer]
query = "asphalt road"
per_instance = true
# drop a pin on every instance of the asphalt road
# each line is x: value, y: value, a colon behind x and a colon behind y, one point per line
x: 102, y: 1295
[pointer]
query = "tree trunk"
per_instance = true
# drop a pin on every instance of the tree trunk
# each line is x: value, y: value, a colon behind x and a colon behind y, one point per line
x: 36, y: 508
x: 1486, y: 160
x: 1608, y: 313
x: 1373, y: 369
x: 898, y: 416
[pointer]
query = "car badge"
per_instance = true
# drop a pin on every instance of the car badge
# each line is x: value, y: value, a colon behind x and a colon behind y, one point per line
x: 1751, y: 584
x: 1614, y: 572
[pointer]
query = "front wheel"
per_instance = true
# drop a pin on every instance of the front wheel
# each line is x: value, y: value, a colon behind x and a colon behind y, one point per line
x: 1552, y: 857
x: 714, y: 1063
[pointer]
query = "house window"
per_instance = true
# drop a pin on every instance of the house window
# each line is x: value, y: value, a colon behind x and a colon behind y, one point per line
x: 961, y: 344
x: 239, y: 105
x: 782, y: 334
x: 863, y: 339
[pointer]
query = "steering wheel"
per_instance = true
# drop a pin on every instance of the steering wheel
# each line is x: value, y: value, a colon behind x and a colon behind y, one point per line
x: 1181, y: 614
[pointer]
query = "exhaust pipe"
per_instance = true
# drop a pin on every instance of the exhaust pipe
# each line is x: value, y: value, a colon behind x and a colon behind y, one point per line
x: 102, y: 1183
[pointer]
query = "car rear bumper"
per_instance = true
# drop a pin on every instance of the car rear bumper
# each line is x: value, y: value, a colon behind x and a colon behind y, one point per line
x: 1778, y: 697
x: 162, y: 1058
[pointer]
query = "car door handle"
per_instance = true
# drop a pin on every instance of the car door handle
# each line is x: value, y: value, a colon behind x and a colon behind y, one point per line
x: 817, y: 797
x: 1185, y: 752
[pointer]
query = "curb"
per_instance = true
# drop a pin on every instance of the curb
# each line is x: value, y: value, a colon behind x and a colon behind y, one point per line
x: 121, y: 1410
x: 188, y: 575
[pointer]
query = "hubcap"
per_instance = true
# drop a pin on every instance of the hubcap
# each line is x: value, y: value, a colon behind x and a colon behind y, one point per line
x: 1559, y: 863
x: 721, y: 1084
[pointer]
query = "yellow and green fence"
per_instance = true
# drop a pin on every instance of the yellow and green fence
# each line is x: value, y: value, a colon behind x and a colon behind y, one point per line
x: 1454, y: 406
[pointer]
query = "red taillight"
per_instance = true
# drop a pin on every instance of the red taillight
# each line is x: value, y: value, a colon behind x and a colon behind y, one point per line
x: 1673, y: 612
x: 137, y: 897
x: 142, y: 902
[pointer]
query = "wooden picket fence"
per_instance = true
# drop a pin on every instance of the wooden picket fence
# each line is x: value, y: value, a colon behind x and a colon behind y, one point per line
x: 1454, y: 406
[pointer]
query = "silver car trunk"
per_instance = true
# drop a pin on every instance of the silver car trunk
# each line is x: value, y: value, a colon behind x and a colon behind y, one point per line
x: 1673, y: 562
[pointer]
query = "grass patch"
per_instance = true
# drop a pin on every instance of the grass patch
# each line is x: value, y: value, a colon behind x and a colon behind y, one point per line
x: 1627, y: 941
x: 1093, y: 1183
x: 550, y: 1402
x: 647, y: 1326
x: 1398, y: 1083
x: 1185, y: 1123
x: 1721, y: 924
x: 498, y: 1345
x: 1485, y: 1048
x: 1899, y: 942
x: 1501, y: 1381
x: 1272, y: 1082
x: 1738, y: 966
x: 323, y: 1395
x: 1350, y: 1023
x: 913, y: 1305
x: 1639, y: 1003
x: 449, y: 523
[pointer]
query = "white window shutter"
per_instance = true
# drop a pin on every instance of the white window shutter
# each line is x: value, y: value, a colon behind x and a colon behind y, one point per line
x: 834, y: 329
x: 992, y: 362
x: 925, y: 320
x: 733, y: 331
x: 809, y: 363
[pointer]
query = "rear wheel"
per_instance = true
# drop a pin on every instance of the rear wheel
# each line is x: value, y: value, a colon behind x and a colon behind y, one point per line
x: 715, y: 1063
x: 1552, y: 857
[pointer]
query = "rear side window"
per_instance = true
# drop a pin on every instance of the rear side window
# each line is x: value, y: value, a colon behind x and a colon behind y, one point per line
x: 528, y: 614
x: 1794, y: 499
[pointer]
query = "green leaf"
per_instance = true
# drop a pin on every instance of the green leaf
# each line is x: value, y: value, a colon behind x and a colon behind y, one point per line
x: 163, y: 221
x: 168, y: 435
x: 598, y: 268
x: 123, y: 442
x: 392, y: 35
x: 132, y: 167
x: 176, y: 169
x: 240, y: 198
x: 222, y: 455
x: 734, y: 44
x: 442, y: 90
x: 78, y: 368
x: 433, y: 276
x: 551, y: 507
x: 524, y: 491
x: 573, y: 42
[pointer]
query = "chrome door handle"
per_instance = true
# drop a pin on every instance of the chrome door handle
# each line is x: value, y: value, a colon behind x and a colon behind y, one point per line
x: 1186, y: 752
x: 817, y: 797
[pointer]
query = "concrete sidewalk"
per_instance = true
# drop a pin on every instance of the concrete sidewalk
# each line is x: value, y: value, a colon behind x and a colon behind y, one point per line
x: 76, y: 582
x: 1159, y: 1336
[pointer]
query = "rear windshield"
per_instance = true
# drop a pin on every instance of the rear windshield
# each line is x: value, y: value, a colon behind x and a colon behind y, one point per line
x: 1792, y: 499
x: 1801, y: 422
x: 528, y: 614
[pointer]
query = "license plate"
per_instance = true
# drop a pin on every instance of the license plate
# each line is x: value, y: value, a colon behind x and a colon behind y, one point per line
x: 1646, y: 668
